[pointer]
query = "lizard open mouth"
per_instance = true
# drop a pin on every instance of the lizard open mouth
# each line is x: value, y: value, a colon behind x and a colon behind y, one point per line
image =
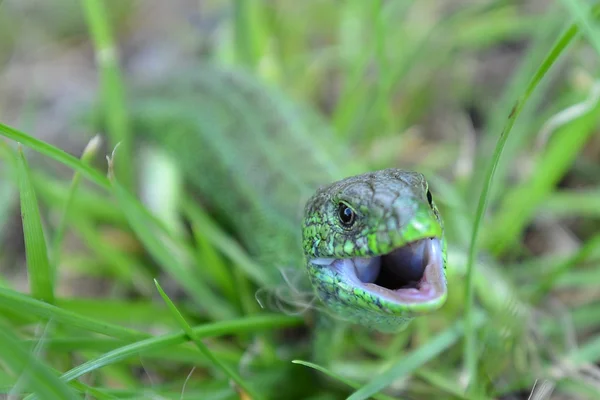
x: 412, y: 273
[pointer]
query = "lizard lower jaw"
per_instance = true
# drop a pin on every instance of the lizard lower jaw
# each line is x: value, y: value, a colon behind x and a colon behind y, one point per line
x: 409, y: 274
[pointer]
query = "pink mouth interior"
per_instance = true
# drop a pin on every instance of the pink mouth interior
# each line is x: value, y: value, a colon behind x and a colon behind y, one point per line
x: 409, y: 274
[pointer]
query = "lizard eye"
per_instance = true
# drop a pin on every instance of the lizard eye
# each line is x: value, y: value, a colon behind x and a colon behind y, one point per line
x: 346, y: 214
x: 429, y: 198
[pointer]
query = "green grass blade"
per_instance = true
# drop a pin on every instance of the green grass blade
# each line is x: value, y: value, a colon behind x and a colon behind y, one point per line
x: 448, y: 384
x: 331, y: 374
x: 523, y: 201
x: 543, y: 38
x: 92, y: 392
x: 113, y: 93
x: 579, y: 388
x: 120, y: 311
x: 182, y: 354
x: 224, y: 243
x: 563, y: 148
x: 88, y: 202
x: 168, y: 252
x: 202, y: 347
x: 588, y: 352
x: 550, y: 278
x: 245, y: 32
x: 54, y: 153
x: 34, y: 352
x: 119, y: 265
x: 585, y: 20
x: 22, y: 304
x: 39, y: 271
x: 9, y: 193
x: 410, y: 362
x: 573, y: 203
x: 88, y: 153
x: 246, y: 325
x: 40, y: 378
x: 470, y: 353
x: 215, y: 264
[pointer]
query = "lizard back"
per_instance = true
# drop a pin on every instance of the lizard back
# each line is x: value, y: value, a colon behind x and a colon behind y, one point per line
x: 254, y: 155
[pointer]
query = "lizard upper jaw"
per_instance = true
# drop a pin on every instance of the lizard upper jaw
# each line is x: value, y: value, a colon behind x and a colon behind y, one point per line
x: 409, y: 274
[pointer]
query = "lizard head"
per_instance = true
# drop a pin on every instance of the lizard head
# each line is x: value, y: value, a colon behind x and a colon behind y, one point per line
x: 375, y: 249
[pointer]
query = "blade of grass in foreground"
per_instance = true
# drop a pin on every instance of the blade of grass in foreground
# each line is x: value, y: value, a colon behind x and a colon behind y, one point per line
x: 585, y: 18
x: 202, y: 347
x: 573, y: 203
x: 447, y: 383
x: 247, y: 31
x: 340, y: 378
x: 221, y: 241
x: 23, y: 304
x: 523, y: 202
x: 113, y: 97
x: 39, y: 377
x: 89, y: 152
x: 550, y: 278
x: 415, y: 359
x: 35, y: 352
x: 8, y: 190
x: 470, y: 352
x: 40, y: 274
x: 167, y: 251
x: 240, y: 326
x: 54, y: 153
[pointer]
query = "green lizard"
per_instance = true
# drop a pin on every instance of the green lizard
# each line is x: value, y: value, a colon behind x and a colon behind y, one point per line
x: 375, y: 249
x: 373, y: 243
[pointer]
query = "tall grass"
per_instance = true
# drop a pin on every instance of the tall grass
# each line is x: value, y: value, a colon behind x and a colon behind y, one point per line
x: 402, y: 84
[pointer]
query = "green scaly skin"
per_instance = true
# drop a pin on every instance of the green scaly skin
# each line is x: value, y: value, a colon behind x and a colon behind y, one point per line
x: 255, y: 157
x: 392, y: 210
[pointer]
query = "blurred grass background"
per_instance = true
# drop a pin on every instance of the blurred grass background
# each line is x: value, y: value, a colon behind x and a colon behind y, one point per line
x: 424, y: 85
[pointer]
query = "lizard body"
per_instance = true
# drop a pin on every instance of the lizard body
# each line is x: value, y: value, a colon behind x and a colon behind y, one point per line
x: 257, y: 158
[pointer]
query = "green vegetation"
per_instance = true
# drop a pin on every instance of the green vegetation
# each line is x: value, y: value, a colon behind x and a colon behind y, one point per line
x: 494, y: 101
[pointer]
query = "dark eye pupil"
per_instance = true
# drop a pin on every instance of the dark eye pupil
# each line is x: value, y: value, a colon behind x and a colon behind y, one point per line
x: 346, y: 214
x: 429, y: 198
